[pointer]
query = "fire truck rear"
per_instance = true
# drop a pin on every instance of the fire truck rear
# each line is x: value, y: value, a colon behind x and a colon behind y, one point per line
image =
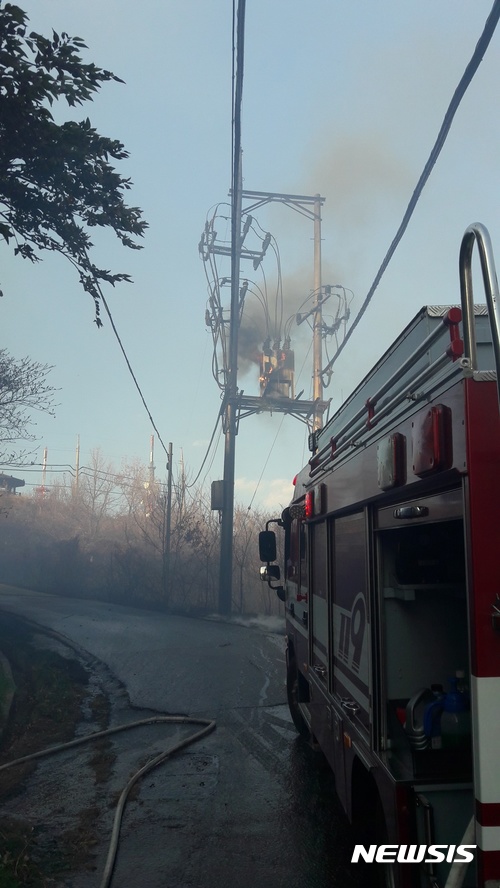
x: 392, y: 600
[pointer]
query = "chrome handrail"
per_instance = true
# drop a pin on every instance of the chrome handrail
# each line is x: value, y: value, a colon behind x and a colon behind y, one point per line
x: 477, y: 233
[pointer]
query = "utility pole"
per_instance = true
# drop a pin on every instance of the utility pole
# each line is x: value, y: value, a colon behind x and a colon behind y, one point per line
x: 77, y: 463
x: 152, y: 463
x: 233, y: 401
x: 44, y: 469
x: 318, y: 319
x: 168, y: 523
x: 230, y: 409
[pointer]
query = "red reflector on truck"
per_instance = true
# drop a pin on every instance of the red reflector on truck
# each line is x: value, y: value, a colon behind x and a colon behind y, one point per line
x: 431, y: 438
x: 309, y: 503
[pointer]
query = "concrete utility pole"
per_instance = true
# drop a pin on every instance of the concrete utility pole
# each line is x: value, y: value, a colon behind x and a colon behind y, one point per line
x: 168, y: 523
x: 230, y: 409
x: 233, y: 401
x: 230, y: 413
x: 318, y: 319
x: 77, y: 463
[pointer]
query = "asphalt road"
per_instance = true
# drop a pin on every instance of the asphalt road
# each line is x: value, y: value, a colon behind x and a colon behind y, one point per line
x: 249, y: 805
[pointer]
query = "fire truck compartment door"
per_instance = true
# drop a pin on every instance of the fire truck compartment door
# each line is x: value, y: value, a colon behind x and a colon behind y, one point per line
x: 319, y: 602
x: 350, y: 618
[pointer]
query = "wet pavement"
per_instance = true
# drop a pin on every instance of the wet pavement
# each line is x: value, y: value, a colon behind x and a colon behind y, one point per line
x: 248, y: 805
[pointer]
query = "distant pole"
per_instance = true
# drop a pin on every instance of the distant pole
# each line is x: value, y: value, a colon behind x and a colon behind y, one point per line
x: 168, y: 524
x: 152, y: 462
x: 77, y: 462
x: 318, y: 319
x: 44, y: 468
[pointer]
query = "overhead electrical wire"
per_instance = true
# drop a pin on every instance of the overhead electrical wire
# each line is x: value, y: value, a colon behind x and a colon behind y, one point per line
x: 215, y: 314
x: 261, y: 297
x: 279, y: 307
x: 276, y: 333
x: 266, y: 462
x: 208, y: 449
x: 215, y: 311
x: 115, y: 331
x: 87, y: 471
x: 338, y: 321
x: 214, y: 454
x: 458, y: 95
x: 120, y: 343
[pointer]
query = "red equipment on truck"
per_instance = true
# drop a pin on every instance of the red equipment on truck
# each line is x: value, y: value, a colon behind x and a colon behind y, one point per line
x: 391, y: 589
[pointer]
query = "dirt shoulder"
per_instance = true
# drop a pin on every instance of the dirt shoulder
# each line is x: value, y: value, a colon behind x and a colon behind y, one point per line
x: 55, y: 692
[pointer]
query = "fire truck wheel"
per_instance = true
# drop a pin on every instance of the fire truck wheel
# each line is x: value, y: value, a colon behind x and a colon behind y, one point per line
x: 385, y: 871
x: 369, y: 824
x: 293, y: 683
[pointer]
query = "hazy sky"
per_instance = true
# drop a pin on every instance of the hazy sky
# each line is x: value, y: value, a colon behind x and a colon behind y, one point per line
x: 340, y: 97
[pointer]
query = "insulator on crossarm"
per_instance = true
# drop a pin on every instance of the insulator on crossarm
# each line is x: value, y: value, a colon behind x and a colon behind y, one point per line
x: 246, y: 227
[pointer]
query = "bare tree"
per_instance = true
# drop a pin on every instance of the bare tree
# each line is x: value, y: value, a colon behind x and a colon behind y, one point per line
x: 23, y: 390
x: 244, y: 537
x: 97, y: 495
x: 143, y: 506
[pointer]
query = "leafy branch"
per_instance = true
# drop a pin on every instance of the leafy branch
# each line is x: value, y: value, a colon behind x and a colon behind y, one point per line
x: 57, y: 181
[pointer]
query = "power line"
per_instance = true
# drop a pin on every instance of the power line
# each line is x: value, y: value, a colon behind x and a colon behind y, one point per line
x: 120, y: 343
x: 87, y: 471
x: 122, y: 347
x: 68, y: 470
x: 208, y: 450
x: 214, y: 454
x: 458, y: 95
x: 266, y: 462
x: 115, y: 331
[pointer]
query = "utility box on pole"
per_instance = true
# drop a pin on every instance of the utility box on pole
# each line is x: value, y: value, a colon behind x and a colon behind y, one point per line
x: 217, y: 496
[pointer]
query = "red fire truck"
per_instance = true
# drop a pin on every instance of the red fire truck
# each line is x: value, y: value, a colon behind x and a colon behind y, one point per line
x: 391, y: 587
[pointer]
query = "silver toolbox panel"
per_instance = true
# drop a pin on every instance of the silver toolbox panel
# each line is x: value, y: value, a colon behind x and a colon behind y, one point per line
x: 423, y: 510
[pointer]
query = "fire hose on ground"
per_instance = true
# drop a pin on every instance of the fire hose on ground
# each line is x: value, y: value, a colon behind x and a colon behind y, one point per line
x: 208, y: 727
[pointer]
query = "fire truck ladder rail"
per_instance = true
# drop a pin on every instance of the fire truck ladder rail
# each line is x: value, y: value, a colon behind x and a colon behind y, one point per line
x: 366, y: 421
x: 477, y: 233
